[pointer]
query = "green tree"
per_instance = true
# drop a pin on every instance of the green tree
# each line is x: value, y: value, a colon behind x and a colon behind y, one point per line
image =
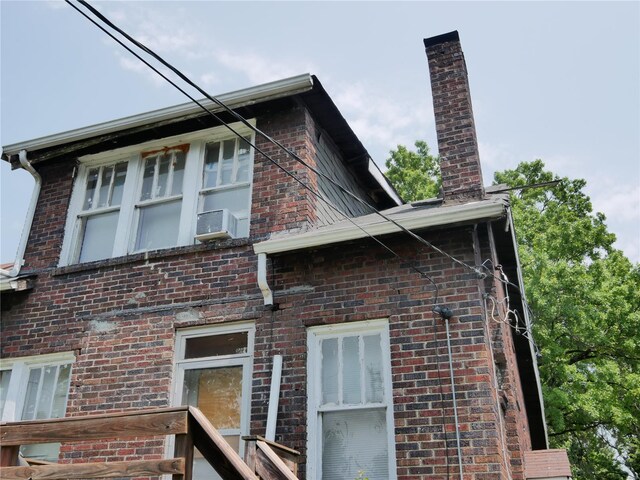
x: 415, y: 175
x: 585, y: 297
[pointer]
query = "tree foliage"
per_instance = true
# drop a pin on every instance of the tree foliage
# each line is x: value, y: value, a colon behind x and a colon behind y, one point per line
x: 585, y: 296
x: 585, y: 299
x: 415, y: 175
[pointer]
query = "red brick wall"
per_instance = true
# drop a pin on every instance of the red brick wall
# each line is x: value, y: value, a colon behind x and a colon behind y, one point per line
x: 120, y: 317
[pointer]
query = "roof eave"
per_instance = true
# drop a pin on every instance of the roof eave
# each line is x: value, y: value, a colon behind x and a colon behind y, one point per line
x: 438, y: 217
x: 260, y: 93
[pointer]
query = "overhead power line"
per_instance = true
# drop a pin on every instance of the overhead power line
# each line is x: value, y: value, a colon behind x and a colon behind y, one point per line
x: 259, y: 150
x: 266, y: 136
x: 236, y: 115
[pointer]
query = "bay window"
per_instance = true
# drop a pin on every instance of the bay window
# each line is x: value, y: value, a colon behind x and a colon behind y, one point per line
x: 350, y: 402
x: 148, y: 196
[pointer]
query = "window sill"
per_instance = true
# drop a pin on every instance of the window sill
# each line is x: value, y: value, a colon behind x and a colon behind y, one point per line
x: 151, y: 255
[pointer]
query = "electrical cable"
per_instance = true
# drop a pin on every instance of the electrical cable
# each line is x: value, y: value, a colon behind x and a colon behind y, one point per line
x: 299, y: 160
x: 267, y: 137
x: 235, y: 132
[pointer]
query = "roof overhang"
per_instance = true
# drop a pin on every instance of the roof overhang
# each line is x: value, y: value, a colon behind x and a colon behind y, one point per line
x: 15, y: 284
x: 239, y: 98
x: 412, y: 217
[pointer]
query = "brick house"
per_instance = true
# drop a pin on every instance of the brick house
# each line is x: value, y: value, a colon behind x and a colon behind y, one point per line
x: 169, y: 262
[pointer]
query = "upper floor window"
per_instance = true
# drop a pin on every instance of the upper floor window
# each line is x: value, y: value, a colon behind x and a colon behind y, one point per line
x: 160, y: 194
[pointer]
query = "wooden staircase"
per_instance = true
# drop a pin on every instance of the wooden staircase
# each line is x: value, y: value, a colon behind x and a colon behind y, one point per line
x: 263, y: 459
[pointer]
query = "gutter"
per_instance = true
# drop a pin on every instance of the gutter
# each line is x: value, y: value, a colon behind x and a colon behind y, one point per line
x: 527, y: 319
x: 330, y: 235
x: 26, y: 229
x: 236, y: 99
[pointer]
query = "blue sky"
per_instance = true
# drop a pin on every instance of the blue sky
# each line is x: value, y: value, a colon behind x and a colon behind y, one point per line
x: 551, y: 80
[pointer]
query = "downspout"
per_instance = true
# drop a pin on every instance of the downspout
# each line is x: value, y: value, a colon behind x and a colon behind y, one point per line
x: 262, y: 279
x: 26, y: 229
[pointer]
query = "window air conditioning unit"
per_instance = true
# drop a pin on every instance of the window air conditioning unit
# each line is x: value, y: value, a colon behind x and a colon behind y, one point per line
x: 216, y: 224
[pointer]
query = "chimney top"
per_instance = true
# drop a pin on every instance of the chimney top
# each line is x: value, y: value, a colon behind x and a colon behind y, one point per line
x: 455, y: 126
x: 445, y: 37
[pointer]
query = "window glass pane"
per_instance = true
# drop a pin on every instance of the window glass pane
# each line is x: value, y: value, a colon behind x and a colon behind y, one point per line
x: 147, y: 178
x: 351, y: 370
x: 105, y: 186
x: 163, y: 175
x: 158, y: 226
x: 234, y: 199
x: 46, y: 392
x: 228, y: 150
x: 352, y: 441
x: 178, y: 173
x: 62, y: 388
x: 217, y: 392
x: 118, y: 183
x: 211, y: 165
x: 41, y: 451
x: 215, y: 345
x: 98, y: 236
x: 5, y: 376
x: 373, y: 369
x: 92, y: 181
x: 31, y: 397
x: 330, y: 370
x: 243, y: 161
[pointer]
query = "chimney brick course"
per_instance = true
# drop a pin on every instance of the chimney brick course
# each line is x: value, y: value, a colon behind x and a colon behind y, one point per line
x: 455, y: 127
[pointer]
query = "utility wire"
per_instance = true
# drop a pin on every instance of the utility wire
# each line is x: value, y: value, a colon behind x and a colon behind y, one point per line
x: 235, y: 132
x: 267, y: 137
x: 218, y: 102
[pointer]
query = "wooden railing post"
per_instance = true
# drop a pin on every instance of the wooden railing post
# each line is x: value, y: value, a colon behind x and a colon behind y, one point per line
x: 9, y: 455
x: 184, y: 448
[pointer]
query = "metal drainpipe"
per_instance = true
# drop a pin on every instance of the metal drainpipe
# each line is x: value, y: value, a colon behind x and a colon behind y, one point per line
x: 22, y: 246
x: 453, y: 394
x: 262, y: 280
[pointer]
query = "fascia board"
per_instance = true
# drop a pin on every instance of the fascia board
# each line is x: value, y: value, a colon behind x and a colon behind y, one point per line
x: 247, y: 96
x: 442, y: 216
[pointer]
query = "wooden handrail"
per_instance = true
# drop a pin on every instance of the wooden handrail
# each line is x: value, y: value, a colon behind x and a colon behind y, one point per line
x: 144, y: 423
x: 190, y: 427
x: 271, y: 460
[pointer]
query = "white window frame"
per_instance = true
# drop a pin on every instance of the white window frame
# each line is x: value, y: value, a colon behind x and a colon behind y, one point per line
x: 20, y: 368
x: 314, y: 389
x: 127, y: 228
x: 245, y: 360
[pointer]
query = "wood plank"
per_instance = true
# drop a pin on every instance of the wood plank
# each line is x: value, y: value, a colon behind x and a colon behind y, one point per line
x: 276, y: 446
x: 184, y: 448
x: 224, y: 459
x: 141, y: 424
x: 271, y: 462
x: 9, y: 455
x: 133, y: 468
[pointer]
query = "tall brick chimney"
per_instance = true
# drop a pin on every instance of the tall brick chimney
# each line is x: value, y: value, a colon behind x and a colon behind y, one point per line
x: 455, y: 127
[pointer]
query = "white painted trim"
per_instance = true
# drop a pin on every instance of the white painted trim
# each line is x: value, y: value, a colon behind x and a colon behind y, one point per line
x: 248, y: 96
x: 20, y: 367
x: 129, y: 208
x: 347, y: 231
x: 314, y: 434
x: 527, y: 320
x: 244, y: 359
x: 374, y: 170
